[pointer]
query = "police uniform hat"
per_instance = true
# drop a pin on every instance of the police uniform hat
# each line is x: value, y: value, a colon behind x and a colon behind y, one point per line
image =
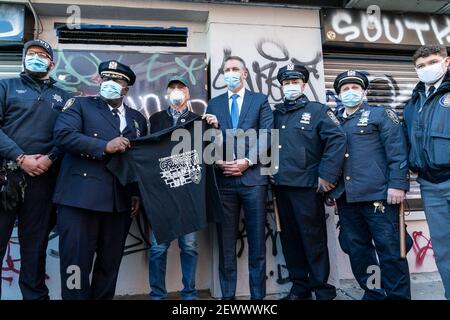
x: 181, y: 79
x: 293, y: 71
x: 350, y: 76
x: 115, y: 70
x: 39, y: 43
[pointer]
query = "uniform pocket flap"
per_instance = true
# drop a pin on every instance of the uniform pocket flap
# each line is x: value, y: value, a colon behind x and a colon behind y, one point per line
x: 436, y: 134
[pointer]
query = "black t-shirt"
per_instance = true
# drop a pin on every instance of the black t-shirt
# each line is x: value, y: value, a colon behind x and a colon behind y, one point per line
x: 179, y: 191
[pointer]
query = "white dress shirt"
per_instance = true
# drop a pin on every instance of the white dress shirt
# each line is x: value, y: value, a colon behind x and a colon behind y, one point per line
x: 121, y: 113
x: 239, y: 100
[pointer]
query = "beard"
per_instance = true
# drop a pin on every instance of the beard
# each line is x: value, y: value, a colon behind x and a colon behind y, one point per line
x: 37, y: 75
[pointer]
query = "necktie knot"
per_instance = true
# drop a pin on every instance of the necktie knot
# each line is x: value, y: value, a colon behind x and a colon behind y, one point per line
x: 115, y: 112
x: 235, y: 96
x: 431, y: 90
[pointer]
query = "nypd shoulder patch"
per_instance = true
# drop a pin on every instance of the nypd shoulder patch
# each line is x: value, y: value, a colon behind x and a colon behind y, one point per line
x: 333, y: 118
x: 392, y: 115
x: 68, y: 104
x: 445, y: 100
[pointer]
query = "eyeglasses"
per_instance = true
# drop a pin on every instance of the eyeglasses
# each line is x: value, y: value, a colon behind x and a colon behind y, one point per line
x: 42, y: 55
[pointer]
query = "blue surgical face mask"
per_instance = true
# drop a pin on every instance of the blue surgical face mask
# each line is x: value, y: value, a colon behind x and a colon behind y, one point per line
x: 351, y: 98
x: 292, y: 91
x: 111, y: 90
x: 36, y: 64
x: 232, y: 80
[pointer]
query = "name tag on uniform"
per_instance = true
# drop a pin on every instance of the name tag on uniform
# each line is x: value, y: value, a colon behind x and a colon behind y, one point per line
x: 364, y: 120
x: 306, y: 118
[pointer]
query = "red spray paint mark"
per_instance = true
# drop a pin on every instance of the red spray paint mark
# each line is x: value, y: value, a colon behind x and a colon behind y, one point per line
x: 420, y: 251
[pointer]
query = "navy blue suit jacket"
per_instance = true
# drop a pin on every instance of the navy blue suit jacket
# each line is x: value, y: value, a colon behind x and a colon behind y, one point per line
x: 82, y: 132
x: 255, y: 114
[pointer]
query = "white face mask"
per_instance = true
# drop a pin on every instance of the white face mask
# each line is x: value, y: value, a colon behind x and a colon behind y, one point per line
x: 176, y: 97
x: 432, y: 74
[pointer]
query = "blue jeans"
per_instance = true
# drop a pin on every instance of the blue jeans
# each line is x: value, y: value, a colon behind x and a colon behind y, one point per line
x: 436, y: 201
x: 360, y: 225
x: 157, y: 266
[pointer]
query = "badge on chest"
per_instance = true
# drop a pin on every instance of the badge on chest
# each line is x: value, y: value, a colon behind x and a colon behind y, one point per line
x: 364, y: 120
x: 306, y: 118
x: 445, y: 100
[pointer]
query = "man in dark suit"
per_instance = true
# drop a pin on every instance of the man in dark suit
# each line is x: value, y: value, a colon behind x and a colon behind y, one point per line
x: 240, y: 178
x: 93, y: 208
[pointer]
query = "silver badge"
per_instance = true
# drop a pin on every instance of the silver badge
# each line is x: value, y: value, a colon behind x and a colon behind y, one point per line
x: 57, y: 98
x: 183, y: 120
x: 306, y: 118
x: 364, y: 120
x: 351, y: 73
x: 290, y: 67
x: 112, y: 65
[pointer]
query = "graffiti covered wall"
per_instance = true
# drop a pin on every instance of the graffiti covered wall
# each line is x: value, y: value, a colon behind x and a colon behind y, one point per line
x: 266, y: 47
x: 76, y: 72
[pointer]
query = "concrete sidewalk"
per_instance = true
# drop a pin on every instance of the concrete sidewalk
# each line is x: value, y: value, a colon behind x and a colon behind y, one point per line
x: 424, y: 286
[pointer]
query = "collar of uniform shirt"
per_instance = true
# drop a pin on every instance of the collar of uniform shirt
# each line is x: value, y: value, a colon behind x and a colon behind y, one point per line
x: 345, y: 115
x: 436, y: 85
x: 239, y: 100
x: 120, y: 110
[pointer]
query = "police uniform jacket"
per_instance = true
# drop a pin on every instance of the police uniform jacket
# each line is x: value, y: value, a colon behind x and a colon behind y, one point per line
x: 311, y: 143
x: 82, y: 131
x: 28, y: 111
x: 376, y: 157
x: 427, y: 123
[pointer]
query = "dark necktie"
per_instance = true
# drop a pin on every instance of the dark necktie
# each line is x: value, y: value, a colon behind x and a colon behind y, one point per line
x: 116, y: 117
x: 431, y: 90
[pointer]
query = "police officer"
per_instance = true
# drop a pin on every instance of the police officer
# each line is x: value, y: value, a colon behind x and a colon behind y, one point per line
x: 311, y: 153
x: 373, y: 184
x: 29, y: 106
x: 93, y: 208
x: 427, y: 120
